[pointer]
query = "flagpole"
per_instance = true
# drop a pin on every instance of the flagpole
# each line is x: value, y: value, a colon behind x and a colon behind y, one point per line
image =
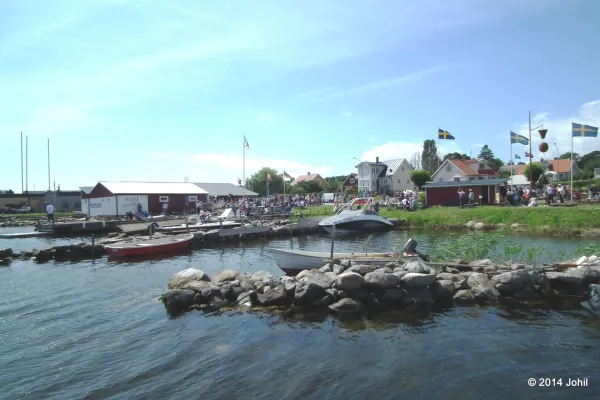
x: 244, y: 161
x: 284, y: 186
x: 571, y: 161
x: 512, y: 166
x: 530, y: 158
x: 267, y: 184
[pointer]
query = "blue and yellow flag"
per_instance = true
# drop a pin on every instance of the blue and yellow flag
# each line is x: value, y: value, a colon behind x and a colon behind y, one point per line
x: 579, y: 130
x: 515, y: 138
x: 444, y: 135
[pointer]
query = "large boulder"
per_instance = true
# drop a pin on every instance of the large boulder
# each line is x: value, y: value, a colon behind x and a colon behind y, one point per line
x: 259, y: 276
x: 385, y: 270
x: 6, y: 253
x: 44, y: 255
x: 418, y: 280
x: 478, y: 279
x: 588, y: 275
x: 326, y: 268
x: 510, y: 282
x: 381, y: 280
x: 346, y: 263
x: 485, y: 292
x: 180, y: 279
x: 443, y: 290
x: 224, y: 276
x: 288, y: 283
x: 319, y: 278
x: 207, y: 291
x: 391, y: 295
x: 361, y: 269
x: 179, y: 300
x: 273, y: 297
x: 349, y: 281
x: 347, y: 305
x: 308, y: 292
x: 417, y: 266
x: 338, y: 269
x: 464, y: 296
x: 446, y: 276
x: 417, y: 296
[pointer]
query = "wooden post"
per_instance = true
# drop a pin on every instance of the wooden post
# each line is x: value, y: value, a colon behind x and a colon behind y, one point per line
x: 187, y: 228
x: 332, y: 241
x: 150, y: 229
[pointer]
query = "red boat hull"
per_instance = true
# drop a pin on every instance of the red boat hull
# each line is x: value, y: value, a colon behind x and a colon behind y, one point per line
x: 139, y: 249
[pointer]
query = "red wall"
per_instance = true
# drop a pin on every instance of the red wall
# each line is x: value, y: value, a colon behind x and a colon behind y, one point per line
x: 100, y: 191
x: 177, y: 202
x: 448, y: 196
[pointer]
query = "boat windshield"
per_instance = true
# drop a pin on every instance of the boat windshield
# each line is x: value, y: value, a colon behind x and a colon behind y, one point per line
x: 365, y: 204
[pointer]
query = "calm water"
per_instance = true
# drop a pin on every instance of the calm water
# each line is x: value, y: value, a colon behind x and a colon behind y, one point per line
x: 95, y: 330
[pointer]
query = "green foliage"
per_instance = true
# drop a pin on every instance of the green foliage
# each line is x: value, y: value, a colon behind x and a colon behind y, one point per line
x: 310, y: 187
x: 333, y: 185
x: 456, y: 156
x: 495, y: 163
x: 351, y: 190
x: 537, y: 169
x: 258, y: 182
x: 429, y: 156
x: 486, y: 153
x: 590, y: 249
x: 505, y: 174
x: 420, y: 177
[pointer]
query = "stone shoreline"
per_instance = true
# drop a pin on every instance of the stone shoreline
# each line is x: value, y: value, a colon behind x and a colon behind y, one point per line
x: 345, y: 288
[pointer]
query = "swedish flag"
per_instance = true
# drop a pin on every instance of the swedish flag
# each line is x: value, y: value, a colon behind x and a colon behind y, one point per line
x: 579, y: 130
x: 515, y: 138
x: 444, y: 135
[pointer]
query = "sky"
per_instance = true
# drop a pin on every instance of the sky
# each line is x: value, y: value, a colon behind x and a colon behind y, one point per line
x: 132, y: 90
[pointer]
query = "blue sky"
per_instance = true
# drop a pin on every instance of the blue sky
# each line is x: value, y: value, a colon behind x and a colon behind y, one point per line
x: 158, y: 90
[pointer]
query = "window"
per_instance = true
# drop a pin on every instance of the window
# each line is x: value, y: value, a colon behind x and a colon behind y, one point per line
x: 471, y: 178
x: 399, y: 181
x: 448, y: 168
x: 441, y: 180
x: 456, y: 179
x: 373, y: 171
x: 65, y: 205
x: 77, y: 205
x: 481, y: 166
x: 480, y: 178
x: 402, y: 169
x: 352, y: 180
x: 163, y: 199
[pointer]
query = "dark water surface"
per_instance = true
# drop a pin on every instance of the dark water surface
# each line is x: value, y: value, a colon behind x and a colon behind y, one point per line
x: 95, y: 330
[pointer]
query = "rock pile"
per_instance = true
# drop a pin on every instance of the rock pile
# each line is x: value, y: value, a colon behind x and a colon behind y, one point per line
x: 73, y: 252
x: 7, y: 222
x: 351, y: 288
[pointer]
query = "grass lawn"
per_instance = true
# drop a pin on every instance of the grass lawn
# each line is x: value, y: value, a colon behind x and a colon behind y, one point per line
x: 560, y: 219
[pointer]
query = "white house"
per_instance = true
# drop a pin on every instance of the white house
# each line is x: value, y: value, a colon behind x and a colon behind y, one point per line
x: 385, y: 176
x: 458, y: 170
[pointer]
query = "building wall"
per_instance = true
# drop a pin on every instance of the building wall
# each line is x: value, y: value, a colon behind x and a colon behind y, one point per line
x: 448, y: 196
x: 36, y: 202
x: 445, y: 175
x: 368, y: 177
x: 100, y: 191
x: 400, y: 180
x: 177, y: 202
x: 64, y: 201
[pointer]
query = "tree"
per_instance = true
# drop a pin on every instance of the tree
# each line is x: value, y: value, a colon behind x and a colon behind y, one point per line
x: 495, y: 163
x: 420, y: 177
x: 415, y: 161
x: 576, y: 157
x: 537, y: 170
x: 486, y: 153
x: 258, y: 182
x: 310, y: 187
x: 10, y: 191
x: 456, y: 156
x: 505, y: 174
x: 429, y: 156
x: 333, y: 185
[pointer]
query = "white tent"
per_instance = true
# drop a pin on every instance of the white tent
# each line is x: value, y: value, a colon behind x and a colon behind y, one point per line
x: 518, y: 180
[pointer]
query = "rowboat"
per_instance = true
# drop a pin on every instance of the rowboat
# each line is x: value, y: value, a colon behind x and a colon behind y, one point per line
x: 149, y: 246
x: 293, y: 261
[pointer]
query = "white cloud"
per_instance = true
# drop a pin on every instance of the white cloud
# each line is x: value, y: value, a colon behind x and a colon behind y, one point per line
x: 559, y: 132
x: 226, y: 168
x: 406, y: 150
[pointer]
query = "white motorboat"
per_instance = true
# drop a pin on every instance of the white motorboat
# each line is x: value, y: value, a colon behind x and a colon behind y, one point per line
x: 355, y: 216
x: 293, y: 261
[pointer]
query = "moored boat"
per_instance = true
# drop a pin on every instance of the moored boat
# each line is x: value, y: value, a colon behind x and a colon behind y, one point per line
x: 149, y: 246
x: 293, y: 261
x: 359, y: 215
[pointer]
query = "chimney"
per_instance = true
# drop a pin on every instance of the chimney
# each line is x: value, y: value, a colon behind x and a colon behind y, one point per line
x: 376, y: 159
x: 308, y: 173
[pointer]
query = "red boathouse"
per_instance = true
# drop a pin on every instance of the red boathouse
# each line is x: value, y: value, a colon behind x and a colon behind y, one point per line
x: 446, y: 193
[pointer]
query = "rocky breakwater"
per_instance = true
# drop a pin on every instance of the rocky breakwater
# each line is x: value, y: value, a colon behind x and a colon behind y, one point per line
x: 9, y: 222
x: 259, y: 229
x: 73, y: 252
x: 346, y: 288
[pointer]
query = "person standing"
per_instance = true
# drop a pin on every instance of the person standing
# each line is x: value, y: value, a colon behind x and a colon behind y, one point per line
x: 165, y: 207
x: 471, y: 197
x: 462, y: 197
x: 50, y: 213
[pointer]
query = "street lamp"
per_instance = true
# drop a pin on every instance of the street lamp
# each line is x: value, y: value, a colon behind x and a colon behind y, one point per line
x: 543, y: 135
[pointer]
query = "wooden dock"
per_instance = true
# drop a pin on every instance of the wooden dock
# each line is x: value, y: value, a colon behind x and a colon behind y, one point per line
x: 244, y: 230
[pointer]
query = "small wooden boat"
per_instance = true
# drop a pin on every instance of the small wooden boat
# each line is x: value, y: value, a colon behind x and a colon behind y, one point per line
x: 149, y: 246
x: 293, y: 261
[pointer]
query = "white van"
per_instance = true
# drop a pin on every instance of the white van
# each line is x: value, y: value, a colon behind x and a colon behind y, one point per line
x: 328, y: 197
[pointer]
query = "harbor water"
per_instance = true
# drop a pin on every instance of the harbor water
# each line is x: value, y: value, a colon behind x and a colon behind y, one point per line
x: 94, y: 329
